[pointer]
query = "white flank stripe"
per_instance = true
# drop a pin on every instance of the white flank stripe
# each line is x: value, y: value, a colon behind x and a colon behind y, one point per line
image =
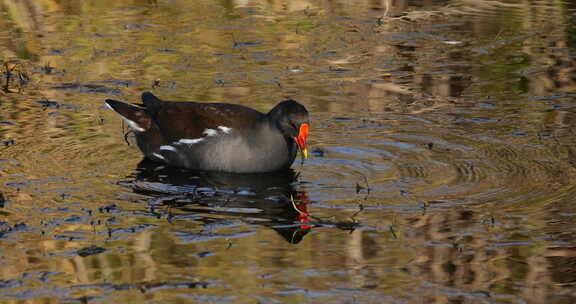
x: 190, y: 141
x: 159, y: 156
x: 224, y: 129
x: 169, y: 148
x: 210, y: 132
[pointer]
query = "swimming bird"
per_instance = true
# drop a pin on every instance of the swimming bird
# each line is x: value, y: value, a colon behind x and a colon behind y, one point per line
x: 217, y: 136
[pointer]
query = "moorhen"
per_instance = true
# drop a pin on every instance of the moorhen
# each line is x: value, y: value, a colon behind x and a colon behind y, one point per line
x: 217, y: 136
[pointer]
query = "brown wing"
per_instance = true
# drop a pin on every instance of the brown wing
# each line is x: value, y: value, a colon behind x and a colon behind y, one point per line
x: 178, y: 120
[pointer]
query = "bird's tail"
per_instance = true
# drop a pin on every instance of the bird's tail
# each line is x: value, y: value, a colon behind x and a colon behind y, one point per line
x: 137, y: 118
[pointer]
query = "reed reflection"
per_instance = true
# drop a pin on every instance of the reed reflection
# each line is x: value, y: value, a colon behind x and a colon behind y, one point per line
x: 269, y: 199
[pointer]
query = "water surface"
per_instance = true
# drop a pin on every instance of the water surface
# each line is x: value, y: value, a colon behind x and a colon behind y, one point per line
x: 442, y: 142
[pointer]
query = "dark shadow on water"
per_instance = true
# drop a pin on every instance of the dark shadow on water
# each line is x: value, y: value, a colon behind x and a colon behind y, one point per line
x: 270, y: 199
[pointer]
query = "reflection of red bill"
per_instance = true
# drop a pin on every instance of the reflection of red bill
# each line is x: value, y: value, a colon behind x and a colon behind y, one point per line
x: 304, y: 220
x: 302, y: 208
x: 303, y: 216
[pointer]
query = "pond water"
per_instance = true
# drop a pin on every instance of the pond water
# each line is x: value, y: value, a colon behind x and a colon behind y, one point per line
x: 443, y: 149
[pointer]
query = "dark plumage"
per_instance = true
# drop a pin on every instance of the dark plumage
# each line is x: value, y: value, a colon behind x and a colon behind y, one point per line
x: 217, y: 136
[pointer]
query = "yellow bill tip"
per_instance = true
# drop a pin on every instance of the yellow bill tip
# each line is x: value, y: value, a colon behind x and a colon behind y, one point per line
x: 304, y: 154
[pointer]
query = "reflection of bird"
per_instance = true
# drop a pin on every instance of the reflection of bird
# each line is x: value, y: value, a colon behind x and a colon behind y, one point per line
x: 266, y: 199
x: 217, y: 136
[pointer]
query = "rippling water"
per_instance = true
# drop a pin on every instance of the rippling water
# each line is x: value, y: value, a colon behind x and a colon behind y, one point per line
x: 442, y: 142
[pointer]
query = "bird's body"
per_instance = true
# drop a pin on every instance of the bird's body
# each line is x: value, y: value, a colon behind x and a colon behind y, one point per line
x: 216, y: 136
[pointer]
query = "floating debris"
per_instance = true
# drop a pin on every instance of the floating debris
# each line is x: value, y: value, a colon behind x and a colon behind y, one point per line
x: 89, y: 88
x: 92, y: 250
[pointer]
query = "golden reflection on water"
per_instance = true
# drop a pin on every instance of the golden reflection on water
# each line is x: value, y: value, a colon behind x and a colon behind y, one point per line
x: 443, y: 173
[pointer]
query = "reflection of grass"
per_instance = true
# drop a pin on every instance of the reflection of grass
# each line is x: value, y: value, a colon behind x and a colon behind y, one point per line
x: 571, y: 32
x: 500, y: 70
x: 13, y: 73
x: 304, y: 25
x: 24, y: 52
